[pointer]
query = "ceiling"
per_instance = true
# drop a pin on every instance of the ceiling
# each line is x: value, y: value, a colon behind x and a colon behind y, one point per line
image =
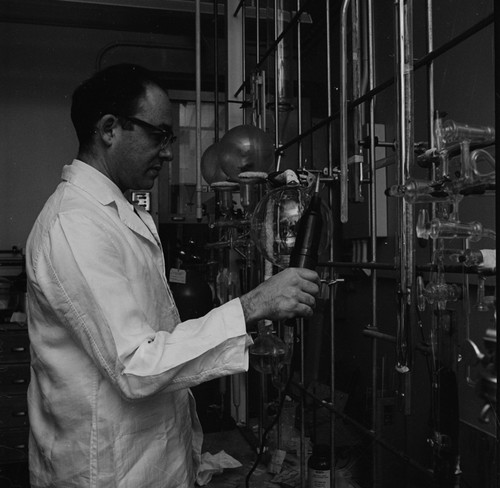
x: 167, y: 17
x: 171, y: 17
x: 154, y: 16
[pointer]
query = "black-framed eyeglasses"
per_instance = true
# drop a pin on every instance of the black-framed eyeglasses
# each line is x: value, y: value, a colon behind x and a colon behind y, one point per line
x: 167, y: 136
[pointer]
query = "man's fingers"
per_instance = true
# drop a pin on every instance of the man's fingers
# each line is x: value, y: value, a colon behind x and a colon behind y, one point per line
x: 310, y: 287
x: 308, y: 275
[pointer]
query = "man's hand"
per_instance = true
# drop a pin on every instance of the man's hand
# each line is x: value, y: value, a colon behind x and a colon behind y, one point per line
x: 288, y: 294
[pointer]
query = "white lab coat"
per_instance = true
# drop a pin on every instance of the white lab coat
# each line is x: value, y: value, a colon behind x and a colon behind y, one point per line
x: 109, y: 400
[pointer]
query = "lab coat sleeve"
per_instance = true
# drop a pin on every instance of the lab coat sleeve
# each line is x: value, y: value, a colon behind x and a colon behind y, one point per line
x: 88, y: 273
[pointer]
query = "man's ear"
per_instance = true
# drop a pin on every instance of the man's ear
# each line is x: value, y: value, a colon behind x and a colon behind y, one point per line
x: 106, y: 128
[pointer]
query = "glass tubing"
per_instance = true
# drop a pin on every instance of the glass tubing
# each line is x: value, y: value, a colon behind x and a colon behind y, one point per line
x: 367, y: 97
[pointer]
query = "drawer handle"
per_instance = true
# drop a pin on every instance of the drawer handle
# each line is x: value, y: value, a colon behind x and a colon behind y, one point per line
x: 18, y: 349
x: 20, y: 446
x: 19, y: 382
x: 19, y: 414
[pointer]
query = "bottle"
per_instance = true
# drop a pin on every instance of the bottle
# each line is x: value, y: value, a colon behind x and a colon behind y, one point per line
x: 319, y: 467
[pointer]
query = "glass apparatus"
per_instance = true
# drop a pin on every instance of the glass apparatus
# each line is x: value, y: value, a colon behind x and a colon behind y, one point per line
x: 250, y: 181
x: 224, y: 197
x: 450, y: 229
x: 449, y: 134
x: 421, y: 191
x: 437, y: 291
x: 269, y: 354
x: 477, y: 167
x: 274, y: 223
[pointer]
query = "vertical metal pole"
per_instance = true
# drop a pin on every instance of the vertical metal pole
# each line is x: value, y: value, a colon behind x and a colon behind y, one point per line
x: 357, y: 113
x: 330, y: 198
x: 343, y: 114
x: 404, y: 56
x: 243, y: 59
x: 257, y: 32
x: 276, y: 79
x: 299, y: 87
x: 303, y: 467
x: 235, y: 66
x: 497, y: 327
x: 216, y: 69
x: 199, y: 213
x: 430, y: 74
x: 234, y: 22
x: 373, y: 232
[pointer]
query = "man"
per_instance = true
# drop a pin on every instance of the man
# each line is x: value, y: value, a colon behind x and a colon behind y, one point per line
x: 109, y: 398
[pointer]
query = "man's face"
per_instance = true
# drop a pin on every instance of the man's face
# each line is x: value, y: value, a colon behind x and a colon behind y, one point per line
x: 139, y: 156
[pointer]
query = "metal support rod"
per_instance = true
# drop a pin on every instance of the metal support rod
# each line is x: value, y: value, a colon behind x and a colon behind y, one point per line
x: 238, y: 7
x: 423, y: 268
x: 291, y: 25
x: 373, y: 233
x: 368, y: 433
x: 257, y: 31
x: 332, y: 273
x: 343, y: 114
x: 299, y: 89
x: 497, y: 326
x: 378, y: 335
x: 199, y: 213
x: 243, y: 57
x: 216, y: 70
x: 430, y: 76
x: 272, y: 48
x: 276, y: 76
x: 358, y: 112
x: 424, y: 61
x: 388, y: 83
x: 302, y: 457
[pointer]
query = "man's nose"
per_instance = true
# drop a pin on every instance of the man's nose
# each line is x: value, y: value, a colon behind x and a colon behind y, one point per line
x: 166, y: 153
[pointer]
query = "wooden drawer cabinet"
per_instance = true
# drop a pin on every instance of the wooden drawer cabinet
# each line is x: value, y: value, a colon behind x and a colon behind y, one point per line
x: 14, y: 380
x: 14, y: 445
x: 14, y: 344
x: 13, y: 412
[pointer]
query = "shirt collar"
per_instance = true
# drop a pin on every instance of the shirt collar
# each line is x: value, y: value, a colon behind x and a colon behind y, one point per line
x: 93, y: 182
x: 102, y: 189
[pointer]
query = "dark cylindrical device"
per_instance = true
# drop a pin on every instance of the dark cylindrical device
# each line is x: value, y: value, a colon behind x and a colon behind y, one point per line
x: 305, y: 249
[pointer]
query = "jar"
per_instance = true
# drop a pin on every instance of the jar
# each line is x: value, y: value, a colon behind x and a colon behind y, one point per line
x: 319, y: 467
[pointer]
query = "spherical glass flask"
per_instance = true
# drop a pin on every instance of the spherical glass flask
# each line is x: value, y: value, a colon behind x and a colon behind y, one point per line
x: 268, y: 352
x: 274, y: 223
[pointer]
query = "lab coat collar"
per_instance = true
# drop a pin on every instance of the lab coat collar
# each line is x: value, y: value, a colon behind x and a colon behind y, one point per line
x: 102, y: 189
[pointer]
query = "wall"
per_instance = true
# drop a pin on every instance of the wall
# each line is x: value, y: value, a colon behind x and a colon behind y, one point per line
x: 41, y: 66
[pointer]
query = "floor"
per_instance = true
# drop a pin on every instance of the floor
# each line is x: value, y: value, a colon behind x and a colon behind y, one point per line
x: 234, y: 443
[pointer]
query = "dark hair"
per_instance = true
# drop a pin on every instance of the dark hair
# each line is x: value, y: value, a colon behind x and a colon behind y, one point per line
x: 113, y: 90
